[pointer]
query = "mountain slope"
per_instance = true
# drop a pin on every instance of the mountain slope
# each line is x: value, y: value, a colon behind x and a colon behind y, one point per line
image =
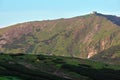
x: 82, y: 36
x: 114, y: 19
x: 110, y: 55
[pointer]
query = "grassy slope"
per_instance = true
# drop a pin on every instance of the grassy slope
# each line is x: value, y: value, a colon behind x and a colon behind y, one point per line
x: 41, y: 67
x: 110, y: 55
x: 9, y: 78
x: 74, y: 37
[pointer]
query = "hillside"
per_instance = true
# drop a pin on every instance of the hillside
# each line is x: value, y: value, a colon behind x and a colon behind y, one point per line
x: 41, y: 67
x: 110, y: 55
x: 82, y: 36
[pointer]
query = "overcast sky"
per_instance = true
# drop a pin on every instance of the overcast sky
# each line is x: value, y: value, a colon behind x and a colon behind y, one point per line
x: 17, y: 11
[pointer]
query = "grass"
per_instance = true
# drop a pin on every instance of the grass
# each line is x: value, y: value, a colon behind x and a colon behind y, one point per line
x: 9, y: 78
x: 43, y: 67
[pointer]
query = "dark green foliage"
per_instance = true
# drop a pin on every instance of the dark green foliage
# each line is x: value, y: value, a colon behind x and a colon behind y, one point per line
x: 95, y: 74
x: 9, y: 78
x: 58, y: 61
x: 41, y: 67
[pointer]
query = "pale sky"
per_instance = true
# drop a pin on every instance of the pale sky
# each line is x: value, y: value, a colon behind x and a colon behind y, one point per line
x: 17, y: 11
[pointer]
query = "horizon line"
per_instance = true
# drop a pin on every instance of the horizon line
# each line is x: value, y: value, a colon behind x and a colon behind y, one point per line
x: 57, y: 18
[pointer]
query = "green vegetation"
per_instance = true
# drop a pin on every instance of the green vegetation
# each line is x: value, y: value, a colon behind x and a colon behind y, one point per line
x: 110, y: 55
x: 74, y: 37
x: 9, y: 78
x: 43, y: 67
